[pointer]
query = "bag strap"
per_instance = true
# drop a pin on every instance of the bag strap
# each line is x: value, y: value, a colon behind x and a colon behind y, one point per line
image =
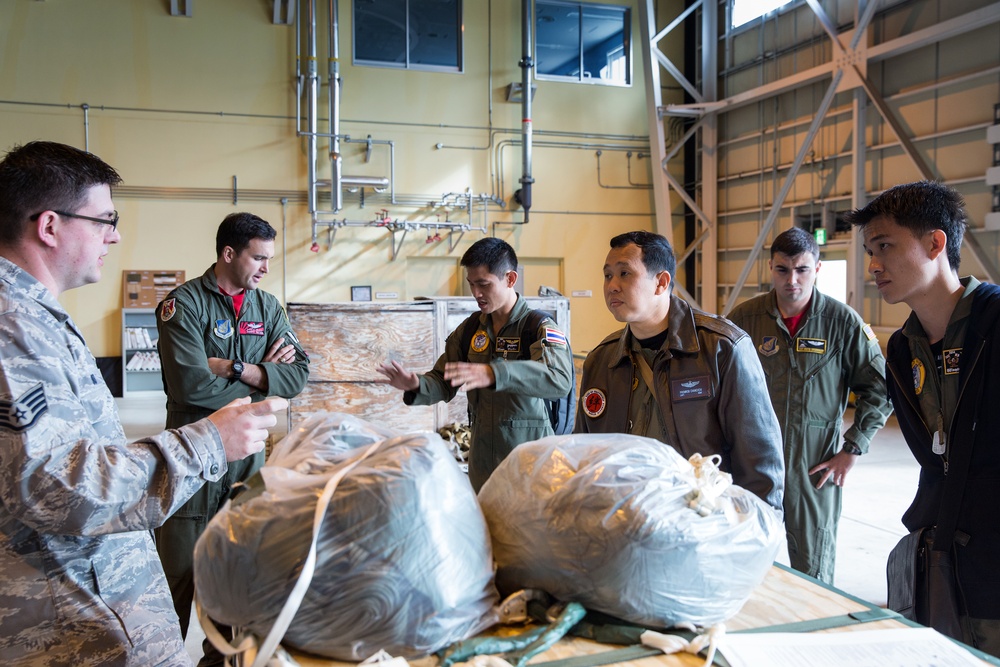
x: 270, y: 644
x: 529, y: 332
x: 647, y: 375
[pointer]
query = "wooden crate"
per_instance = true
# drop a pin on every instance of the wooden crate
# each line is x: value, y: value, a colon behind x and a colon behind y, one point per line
x: 347, y: 342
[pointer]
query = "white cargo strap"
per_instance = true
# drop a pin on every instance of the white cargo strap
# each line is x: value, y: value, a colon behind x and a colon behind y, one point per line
x: 246, y: 644
x: 673, y: 644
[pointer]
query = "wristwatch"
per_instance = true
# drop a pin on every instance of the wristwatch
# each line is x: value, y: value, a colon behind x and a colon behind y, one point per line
x: 851, y: 448
x: 237, y: 370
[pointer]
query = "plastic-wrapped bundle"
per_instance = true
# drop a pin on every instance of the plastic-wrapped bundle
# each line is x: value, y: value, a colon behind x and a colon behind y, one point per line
x: 403, y: 555
x: 605, y: 520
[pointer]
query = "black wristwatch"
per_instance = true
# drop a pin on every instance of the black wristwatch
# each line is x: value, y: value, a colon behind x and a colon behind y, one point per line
x: 237, y: 370
x: 851, y: 448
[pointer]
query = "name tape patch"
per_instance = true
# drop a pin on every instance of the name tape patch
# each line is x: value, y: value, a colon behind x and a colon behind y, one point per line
x: 687, y: 389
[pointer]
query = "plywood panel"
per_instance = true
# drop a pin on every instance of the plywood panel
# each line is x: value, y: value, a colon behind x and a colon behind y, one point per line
x: 374, y: 402
x: 347, y: 342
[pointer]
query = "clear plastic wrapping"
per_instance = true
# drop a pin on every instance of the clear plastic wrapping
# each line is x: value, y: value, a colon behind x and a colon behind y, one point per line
x: 606, y: 520
x: 404, y: 561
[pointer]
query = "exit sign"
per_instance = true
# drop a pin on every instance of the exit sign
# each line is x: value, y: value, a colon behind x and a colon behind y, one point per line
x: 820, y: 234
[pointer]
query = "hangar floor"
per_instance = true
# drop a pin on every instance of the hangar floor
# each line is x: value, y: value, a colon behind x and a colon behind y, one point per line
x: 878, y: 490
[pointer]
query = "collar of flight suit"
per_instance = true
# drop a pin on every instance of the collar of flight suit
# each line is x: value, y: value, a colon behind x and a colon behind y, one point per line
x: 682, y: 335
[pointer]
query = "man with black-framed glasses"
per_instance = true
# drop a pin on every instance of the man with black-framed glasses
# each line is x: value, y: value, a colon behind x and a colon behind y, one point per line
x: 81, y: 579
x: 112, y: 219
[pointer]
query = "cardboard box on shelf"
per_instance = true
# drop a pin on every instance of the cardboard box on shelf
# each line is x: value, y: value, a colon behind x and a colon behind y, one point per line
x: 145, y: 289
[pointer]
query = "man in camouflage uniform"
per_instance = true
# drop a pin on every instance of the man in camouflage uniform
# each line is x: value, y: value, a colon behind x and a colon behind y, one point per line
x: 81, y: 581
x: 506, y: 405
x: 220, y: 338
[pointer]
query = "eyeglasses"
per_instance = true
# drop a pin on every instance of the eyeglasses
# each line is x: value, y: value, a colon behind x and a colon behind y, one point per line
x: 113, y: 221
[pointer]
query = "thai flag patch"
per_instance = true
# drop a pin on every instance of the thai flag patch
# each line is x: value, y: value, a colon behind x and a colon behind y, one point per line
x: 554, y: 336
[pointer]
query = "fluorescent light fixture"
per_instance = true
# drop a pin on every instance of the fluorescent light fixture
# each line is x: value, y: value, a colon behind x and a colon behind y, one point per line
x: 745, y: 11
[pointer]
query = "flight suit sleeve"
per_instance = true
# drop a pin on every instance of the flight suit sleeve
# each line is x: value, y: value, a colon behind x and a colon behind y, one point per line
x: 67, y: 468
x: 184, y: 360
x: 749, y: 424
x: 433, y: 387
x: 285, y: 380
x: 865, y: 368
x: 549, y: 372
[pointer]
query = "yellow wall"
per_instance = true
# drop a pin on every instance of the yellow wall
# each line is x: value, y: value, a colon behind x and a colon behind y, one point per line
x: 182, y: 105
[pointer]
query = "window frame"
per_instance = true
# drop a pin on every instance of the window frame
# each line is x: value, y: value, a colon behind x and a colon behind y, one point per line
x: 459, y: 68
x: 626, y: 44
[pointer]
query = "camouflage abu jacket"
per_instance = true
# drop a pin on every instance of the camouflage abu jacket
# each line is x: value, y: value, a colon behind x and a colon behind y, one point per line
x: 82, y: 584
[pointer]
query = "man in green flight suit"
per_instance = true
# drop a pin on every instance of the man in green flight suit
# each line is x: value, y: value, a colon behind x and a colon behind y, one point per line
x: 505, y: 386
x: 221, y: 338
x: 815, y: 351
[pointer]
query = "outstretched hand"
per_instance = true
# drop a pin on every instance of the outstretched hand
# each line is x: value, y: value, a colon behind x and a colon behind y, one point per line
x: 467, y: 376
x: 243, y: 425
x: 399, y: 377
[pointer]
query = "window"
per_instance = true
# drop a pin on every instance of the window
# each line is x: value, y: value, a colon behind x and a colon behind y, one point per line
x: 745, y: 11
x: 409, y: 34
x: 584, y: 42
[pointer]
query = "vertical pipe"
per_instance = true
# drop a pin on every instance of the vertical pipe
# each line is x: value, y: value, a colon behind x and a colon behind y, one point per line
x: 333, y: 89
x: 526, y: 64
x: 86, y: 126
x: 298, y: 72
x: 392, y: 170
x: 313, y: 86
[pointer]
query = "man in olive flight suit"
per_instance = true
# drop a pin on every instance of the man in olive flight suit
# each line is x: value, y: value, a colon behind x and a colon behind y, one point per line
x: 221, y: 338
x: 815, y: 351
x: 506, y: 390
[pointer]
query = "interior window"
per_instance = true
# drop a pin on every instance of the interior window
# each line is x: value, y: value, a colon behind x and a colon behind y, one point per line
x: 411, y: 34
x: 583, y: 42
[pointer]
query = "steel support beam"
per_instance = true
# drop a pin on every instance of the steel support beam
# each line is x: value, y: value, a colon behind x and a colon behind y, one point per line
x: 709, y: 155
x: 657, y: 136
x: 939, y: 31
x: 856, y: 265
x: 824, y: 106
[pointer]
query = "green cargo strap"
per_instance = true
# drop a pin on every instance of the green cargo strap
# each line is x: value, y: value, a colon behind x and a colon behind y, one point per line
x: 516, y: 649
x: 639, y: 651
x: 853, y: 618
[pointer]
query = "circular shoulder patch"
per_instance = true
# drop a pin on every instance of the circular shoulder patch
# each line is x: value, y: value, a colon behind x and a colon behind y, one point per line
x: 919, y: 374
x: 168, y: 309
x: 594, y: 402
x: 480, y: 341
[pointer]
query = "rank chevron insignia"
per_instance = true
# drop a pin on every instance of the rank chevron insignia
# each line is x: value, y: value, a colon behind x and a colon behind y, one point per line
x: 22, y: 413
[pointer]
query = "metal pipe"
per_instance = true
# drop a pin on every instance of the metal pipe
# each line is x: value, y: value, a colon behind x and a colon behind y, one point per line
x: 392, y: 160
x: 523, y: 196
x: 312, y: 94
x: 333, y: 90
x: 298, y: 72
x: 86, y: 126
x: 358, y: 181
